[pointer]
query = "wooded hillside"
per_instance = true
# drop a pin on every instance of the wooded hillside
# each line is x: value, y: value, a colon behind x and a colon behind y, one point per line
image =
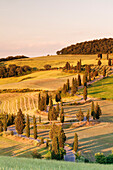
x: 103, y: 46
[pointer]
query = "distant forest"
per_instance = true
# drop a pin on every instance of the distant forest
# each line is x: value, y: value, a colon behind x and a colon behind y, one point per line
x: 103, y: 46
x: 13, y: 58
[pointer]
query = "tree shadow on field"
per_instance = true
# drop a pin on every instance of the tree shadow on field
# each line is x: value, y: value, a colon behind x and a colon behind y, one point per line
x: 9, y: 150
x: 100, y: 143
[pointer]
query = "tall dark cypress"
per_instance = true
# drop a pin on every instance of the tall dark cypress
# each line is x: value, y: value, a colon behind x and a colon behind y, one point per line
x: 34, y: 127
x: 85, y: 93
x: 27, y: 126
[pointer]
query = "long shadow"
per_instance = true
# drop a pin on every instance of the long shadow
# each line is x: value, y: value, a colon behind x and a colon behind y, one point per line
x: 8, y: 150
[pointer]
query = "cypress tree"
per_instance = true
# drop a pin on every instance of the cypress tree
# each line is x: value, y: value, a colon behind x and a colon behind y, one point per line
x: 57, y: 109
x: 5, y: 123
x: 99, y: 63
x: 68, y: 85
x: 53, y: 131
x: 98, y: 112
x: 61, y: 137
x: 76, y: 84
x: 55, y: 148
x: 39, y: 119
x: 89, y: 76
x: 79, y: 80
x: 109, y: 62
x: 27, y: 126
x: 34, y: 127
x: 80, y: 66
x: 39, y: 98
x: 87, y: 116
x: 53, y: 114
x: 58, y: 96
x: 85, y: 80
x: 93, y: 110
x: 64, y: 90
x: 62, y: 115
x: 50, y: 108
x: 1, y: 127
x: 104, y: 72
x: 73, y: 88
x: 47, y: 98
x: 43, y: 103
x: 20, y: 122
x: 85, y: 93
x: 75, y: 144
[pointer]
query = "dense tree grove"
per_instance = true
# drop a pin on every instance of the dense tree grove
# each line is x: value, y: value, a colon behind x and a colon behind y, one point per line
x: 13, y: 58
x: 58, y: 138
x: 13, y: 70
x: 102, y: 46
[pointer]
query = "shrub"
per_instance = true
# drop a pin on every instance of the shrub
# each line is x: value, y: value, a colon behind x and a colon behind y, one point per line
x: 100, y: 158
x: 109, y: 159
x: 12, y: 133
x: 35, y: 154
x: 47, y: 67
x: 48, y: 155
x: 41, y: 140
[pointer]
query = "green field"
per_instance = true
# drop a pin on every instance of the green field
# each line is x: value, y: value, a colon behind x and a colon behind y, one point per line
x: 36, y: 164
x: 102, y: 88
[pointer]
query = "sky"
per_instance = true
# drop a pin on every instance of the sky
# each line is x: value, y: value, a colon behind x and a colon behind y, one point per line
x: 42, y: 27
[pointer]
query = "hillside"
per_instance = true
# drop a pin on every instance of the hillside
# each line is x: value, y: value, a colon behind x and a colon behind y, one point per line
x: 26, y: 164
x: 103, y: 46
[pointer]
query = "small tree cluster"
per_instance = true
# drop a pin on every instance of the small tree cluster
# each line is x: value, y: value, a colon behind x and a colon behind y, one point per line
x: 95, y: 111
x: 80, y: 115
x: 67, y: 66
x: 58, y: 96
x: 58, y: 139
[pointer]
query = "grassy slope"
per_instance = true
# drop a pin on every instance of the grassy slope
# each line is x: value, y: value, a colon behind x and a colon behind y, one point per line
x: 40, y: 79
x: 56, y: 60
x: 51, y: 80
x: 102, y: 88
x: 25, y: 163
x: 18, y: 147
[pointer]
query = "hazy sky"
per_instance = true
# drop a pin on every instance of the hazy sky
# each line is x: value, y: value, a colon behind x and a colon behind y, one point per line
x: 41, y: 27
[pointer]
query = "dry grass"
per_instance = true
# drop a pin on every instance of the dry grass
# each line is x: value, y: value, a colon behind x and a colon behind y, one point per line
x: 57, y: 60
